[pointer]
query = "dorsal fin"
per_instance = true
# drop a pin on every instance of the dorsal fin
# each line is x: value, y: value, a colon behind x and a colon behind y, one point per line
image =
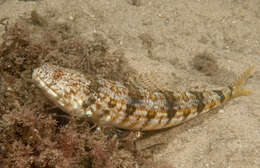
x: 150, y: 81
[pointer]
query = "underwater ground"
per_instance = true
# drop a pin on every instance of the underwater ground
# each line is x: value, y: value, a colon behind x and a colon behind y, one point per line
x: 177, y: 44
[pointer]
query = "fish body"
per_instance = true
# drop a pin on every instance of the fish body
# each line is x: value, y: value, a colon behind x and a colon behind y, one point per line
x: 109, y: 102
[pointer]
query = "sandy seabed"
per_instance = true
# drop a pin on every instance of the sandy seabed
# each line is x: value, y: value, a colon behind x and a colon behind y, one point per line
x: 188, y: 44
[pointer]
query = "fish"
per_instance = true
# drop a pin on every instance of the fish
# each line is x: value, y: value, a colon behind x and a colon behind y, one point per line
x: 108, y: 102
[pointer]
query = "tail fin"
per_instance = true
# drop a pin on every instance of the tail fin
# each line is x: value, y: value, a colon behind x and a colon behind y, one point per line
x: 236, y: 85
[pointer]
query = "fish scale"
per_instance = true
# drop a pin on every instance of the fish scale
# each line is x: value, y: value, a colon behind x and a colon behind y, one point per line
x: 109, y: 102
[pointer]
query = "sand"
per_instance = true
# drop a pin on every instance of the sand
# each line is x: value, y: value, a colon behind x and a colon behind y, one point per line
x: 166, y: 36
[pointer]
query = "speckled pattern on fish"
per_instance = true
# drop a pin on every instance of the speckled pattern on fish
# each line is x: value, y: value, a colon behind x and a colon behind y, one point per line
x: 109, y: 102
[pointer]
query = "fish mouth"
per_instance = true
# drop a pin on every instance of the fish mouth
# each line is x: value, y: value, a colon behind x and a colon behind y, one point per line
x: 66, y: 88
x: 39, y: 76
